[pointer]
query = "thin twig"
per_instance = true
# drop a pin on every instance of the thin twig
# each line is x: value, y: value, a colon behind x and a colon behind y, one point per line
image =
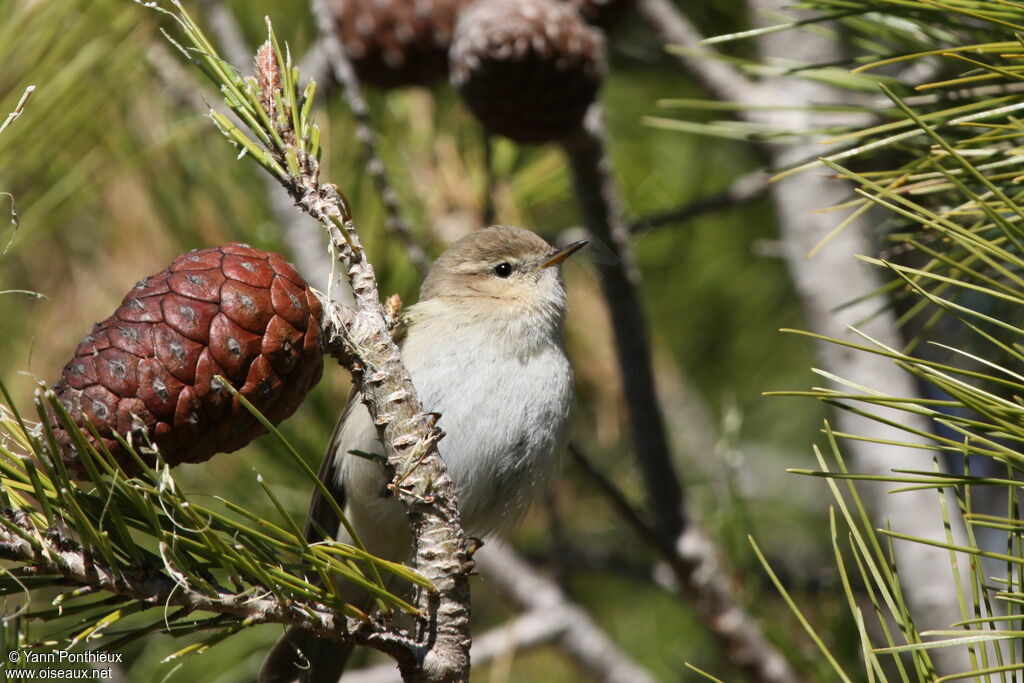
x: 526, y: 631
x: 743, y: 189
x: 550, y: 618
x: 18, y: 108
x: 580, y: 638
x: 623, y: 508
x: 344, y: 74
x: 359, y: 337
x: 672, y: 532
x: 574, y: 559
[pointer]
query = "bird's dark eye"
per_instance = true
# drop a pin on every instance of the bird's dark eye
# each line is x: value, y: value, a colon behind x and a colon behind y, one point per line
x: 503, y: 269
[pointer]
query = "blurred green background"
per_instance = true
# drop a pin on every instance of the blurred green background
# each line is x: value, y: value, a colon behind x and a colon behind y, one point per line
x: 113, y: 173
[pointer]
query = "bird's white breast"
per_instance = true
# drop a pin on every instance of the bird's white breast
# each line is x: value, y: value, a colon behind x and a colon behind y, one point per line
x: 504, y: 397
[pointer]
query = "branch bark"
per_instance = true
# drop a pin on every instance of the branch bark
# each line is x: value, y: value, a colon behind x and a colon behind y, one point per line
x: 550, y: 618
x: 359, y: 337
x: 529, y: 630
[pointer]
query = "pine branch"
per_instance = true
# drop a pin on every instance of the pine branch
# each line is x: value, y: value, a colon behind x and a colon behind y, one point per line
x: 714, y: 599
x: 56, y: 554
x: 282, y: 138
x: 532, y: 629
x: 144, y: 542
x: 832, y: 276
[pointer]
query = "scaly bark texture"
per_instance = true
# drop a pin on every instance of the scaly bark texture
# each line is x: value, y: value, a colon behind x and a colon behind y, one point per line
x: 360, y: 338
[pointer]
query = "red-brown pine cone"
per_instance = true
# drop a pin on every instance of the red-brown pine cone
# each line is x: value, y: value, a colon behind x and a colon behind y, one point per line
x: 393, y: 43
x: 528, y: 69
x: 603, y: 13
x: 148, y: 370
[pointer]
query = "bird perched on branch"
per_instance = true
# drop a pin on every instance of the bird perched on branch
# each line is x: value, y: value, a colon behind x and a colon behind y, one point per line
x: 484, y: 349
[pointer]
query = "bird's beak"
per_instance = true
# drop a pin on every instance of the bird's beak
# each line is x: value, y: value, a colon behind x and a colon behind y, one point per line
x: 559, y: 255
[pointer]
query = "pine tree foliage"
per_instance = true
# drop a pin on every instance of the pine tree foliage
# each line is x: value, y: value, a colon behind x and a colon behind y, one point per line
x: 134, y: 555
x: 124, y: 546
x: 941, y: 169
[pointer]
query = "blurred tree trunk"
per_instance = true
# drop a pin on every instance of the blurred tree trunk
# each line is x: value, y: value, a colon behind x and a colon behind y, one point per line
x: 830, y: 279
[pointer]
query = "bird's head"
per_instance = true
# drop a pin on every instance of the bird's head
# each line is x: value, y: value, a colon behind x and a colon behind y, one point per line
x: 502, y: 272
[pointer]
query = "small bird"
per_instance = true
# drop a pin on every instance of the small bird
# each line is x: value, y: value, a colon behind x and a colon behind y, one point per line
x: 484, y: 349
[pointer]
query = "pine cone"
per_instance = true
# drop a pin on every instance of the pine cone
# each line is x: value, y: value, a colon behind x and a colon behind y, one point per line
x: 393, y: 43
x: 148, y: 370
x: 603, y: 13
x: 528, y: 69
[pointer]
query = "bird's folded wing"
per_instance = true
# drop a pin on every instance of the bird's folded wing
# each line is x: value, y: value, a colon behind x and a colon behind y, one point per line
x: 322, y: 521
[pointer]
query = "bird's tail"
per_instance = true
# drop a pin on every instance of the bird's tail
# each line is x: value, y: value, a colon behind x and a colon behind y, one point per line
x: 302, y: 656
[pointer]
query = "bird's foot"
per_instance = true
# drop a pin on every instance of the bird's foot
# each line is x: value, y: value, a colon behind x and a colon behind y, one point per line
x: 473, y: 544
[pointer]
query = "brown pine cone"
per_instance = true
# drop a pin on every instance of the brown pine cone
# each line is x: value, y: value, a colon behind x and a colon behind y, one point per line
x: 393, y: 43
x: 528, y: 69
x: 603, y: 13
x: 148, y: 370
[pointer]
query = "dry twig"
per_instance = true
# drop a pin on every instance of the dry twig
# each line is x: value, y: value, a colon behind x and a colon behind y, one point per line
x: 746, y: 188
x: 63, y: 557
x: 703, y: 583
x: 620, y: 279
